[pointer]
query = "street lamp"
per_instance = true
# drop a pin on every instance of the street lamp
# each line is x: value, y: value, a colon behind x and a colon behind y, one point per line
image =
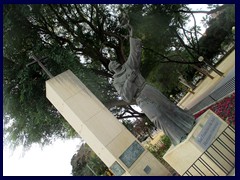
x: 200, y: 58
x: 233, y: 29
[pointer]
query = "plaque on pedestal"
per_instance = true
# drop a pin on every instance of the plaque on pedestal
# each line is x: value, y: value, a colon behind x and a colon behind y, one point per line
x: 208, y: 150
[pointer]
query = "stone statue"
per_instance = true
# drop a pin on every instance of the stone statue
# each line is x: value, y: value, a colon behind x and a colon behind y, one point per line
x: 131, y: 86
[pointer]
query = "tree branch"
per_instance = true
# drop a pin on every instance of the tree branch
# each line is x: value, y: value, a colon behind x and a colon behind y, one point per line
x: 113, y: 103
x: 189, y: 11
x: 124, y: 117
x: 184, y: 45
x: 119, y: 48
x: 184, y: 32
x: 195, y: 31
x: 170, y: 60
x: 202, y: 11
x: 101, y: 72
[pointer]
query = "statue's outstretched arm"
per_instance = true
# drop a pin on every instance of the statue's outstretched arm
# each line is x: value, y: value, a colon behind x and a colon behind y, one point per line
x: 134, y: 57
x: 125, y: 23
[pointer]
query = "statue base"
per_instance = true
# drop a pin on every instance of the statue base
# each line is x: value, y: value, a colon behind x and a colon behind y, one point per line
x: 107, y: 137
x: 208, y: 150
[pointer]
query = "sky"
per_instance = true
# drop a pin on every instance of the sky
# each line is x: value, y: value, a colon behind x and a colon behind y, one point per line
x: 52, y: 160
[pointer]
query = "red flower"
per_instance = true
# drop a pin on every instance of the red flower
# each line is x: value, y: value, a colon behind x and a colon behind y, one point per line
x: 225, y: 108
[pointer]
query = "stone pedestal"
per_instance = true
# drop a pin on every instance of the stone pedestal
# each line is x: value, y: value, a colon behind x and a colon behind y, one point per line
x: 208, y: 150
x: 108, y: 138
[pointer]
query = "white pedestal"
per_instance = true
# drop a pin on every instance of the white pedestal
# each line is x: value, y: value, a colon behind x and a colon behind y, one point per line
x: 108, y: 138
x: 208, y: 150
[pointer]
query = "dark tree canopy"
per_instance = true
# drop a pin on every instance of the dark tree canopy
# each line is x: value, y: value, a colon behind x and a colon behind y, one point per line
x: 220, y: 30
x: 85, y: 38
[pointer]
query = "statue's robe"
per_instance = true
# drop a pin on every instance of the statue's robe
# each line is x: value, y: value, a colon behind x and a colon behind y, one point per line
x: 131, y: 86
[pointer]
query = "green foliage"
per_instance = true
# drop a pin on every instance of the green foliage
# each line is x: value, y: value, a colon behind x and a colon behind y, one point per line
x: 219, y: 31
x: 40, y: 29
x: 87, y: 163
x: 159, y: 38
x: 159, y: 150
x: 160, y: 77
x: 29, y: 117
x: 92, y: 167
x: 129, y: 125
x: 84, y: 38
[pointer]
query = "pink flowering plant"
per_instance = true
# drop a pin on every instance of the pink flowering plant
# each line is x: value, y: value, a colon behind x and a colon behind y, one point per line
x: 224, y: 108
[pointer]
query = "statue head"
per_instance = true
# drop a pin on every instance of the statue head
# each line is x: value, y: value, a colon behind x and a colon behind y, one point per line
x: 114, y: 66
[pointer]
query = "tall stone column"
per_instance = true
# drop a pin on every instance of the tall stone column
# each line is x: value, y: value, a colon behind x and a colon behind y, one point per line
x: 108, y: 138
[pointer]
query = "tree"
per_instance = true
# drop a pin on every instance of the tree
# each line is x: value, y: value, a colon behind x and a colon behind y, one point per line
x: 83, y: 38
x: 208, y: 45
x: 29, y: 116
x: 129, y: 125
x: 219, y: 31
x: 86, y: 163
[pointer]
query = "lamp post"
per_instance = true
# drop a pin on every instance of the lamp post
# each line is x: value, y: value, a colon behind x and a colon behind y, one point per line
x: 200, y: 59
x: 233, y: 31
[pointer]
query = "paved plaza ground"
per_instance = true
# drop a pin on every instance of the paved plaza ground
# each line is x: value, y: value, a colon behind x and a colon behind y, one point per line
x: 207, y: 85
